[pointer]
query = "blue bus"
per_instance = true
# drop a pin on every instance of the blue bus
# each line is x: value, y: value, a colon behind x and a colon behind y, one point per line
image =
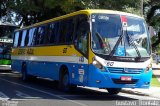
x: 95, y: 48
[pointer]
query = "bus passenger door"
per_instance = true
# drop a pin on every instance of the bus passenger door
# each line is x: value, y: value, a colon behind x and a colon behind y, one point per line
x: 81, y: 43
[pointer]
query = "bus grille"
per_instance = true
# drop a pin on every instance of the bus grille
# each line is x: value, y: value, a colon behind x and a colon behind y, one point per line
x: 125, y: 70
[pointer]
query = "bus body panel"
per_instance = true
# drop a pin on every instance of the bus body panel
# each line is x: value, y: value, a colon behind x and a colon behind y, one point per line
x: 104, y: 79
x: 78, y: 72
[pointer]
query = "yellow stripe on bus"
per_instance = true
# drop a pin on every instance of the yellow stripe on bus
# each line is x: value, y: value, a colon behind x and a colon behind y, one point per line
x: 64, y: 50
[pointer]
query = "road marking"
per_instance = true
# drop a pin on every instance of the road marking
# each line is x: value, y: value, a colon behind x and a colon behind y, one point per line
x: 26, y: 96
x: 3, y: 97
x: 48, y: 93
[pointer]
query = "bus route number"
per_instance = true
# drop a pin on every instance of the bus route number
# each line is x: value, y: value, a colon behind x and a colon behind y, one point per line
x: 65, y: 50
x: 109, y: 63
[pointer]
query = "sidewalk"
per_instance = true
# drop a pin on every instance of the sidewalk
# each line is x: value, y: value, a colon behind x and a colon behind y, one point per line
x: 152, y: 91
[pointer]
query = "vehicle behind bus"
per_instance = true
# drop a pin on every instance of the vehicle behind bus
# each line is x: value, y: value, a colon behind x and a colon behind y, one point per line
x: 96, y: 48
x: 6, y: 41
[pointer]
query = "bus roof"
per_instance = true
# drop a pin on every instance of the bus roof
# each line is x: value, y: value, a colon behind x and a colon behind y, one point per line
x: 88, y: 11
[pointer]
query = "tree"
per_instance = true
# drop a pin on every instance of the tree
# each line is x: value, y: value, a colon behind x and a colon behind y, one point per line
x: 31, y: 11
x: 153, y: 18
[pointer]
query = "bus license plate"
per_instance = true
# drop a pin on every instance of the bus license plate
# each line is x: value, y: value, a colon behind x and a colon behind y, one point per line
x: 126, y: 78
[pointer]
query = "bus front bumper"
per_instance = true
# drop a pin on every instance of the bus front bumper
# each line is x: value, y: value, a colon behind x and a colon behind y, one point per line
x: 113, y: 80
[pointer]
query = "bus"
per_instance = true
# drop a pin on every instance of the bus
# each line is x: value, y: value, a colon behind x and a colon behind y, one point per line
x: 95, y: 48
x: 6, y: 40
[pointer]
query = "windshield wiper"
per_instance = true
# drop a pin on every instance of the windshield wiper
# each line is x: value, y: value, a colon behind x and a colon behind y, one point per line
x: 116, y: 45
x: 134, y: 45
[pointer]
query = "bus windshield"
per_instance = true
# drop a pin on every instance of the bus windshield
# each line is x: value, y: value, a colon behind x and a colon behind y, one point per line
x: 108, y: 35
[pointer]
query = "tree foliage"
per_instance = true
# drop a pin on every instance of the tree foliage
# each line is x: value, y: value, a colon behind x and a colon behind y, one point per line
x: 153, y: 19
x: 31, y: 11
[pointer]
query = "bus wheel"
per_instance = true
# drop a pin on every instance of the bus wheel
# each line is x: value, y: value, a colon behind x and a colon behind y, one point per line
x: 113, y: 91
x: 65, y: 83
x: 24, y: 73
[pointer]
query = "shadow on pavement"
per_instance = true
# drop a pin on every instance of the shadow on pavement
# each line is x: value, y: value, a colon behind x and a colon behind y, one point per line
x: 51, y: 87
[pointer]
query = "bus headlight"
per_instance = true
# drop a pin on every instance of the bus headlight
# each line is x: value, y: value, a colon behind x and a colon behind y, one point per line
x: 98, y: 65
x: 148, y: 68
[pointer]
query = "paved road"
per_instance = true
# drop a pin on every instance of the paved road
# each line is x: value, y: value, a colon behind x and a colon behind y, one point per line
x: 40, y: 92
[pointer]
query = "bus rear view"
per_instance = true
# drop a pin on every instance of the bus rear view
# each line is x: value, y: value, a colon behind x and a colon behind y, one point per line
x: 121, y: 52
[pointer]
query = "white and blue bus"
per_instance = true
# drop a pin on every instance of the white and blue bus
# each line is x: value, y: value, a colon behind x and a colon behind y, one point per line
x: 95, y: 48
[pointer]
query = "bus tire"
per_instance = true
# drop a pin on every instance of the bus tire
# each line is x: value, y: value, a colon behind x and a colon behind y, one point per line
x: 64, y: 82
x: 113, y: 91
x: 24, y: 73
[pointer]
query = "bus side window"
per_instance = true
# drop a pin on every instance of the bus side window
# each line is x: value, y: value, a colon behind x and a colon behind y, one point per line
x: 20, y: 38
x: 56, y: 32
x: 52, y: 32
x: 30, y: 37
x: 47, y: 36
x: 16, y: 36
x: 70, y: 30
x: 66, y: 31
x: 23, y: 37
x: 40, y: 35
x: 33, y: 36
x: 63, y: 30
x: 26, y: 38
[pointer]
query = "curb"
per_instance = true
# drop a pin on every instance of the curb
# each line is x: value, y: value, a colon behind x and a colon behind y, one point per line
x: 135, y: 92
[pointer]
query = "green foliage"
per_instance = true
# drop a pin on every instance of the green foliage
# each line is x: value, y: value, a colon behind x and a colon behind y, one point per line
x: 155, y: 82
x: 152, y: 10
x: 32, y: 11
